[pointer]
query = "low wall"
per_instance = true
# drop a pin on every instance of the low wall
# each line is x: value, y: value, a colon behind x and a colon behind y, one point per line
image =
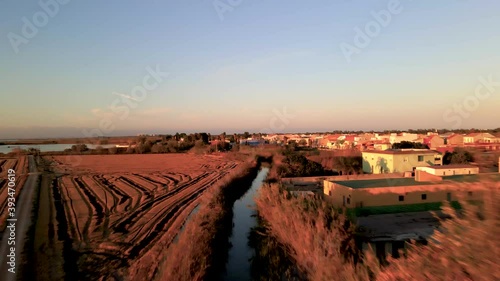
x: 341, y: 178
x: 424, y: 176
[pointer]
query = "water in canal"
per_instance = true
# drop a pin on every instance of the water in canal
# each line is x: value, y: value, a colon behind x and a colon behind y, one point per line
x: 240, y: 254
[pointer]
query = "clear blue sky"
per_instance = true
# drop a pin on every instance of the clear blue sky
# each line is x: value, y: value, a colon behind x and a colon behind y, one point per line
x: 232, y: 73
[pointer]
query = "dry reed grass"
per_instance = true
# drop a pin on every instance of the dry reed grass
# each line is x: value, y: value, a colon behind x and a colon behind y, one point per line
x: 320, y: 241
x: 192, y: 255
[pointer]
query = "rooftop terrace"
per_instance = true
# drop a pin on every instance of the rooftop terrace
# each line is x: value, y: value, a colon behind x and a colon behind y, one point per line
x: 395, y: 182
x: 403, y: 151
x: 381, y: 183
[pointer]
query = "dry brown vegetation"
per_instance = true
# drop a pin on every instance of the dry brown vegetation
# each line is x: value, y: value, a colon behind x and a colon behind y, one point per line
x: 320, y: 240
x: 467, y: 249
x: 123, y: 211
x: 190, y: 258
x: 342, y: 161
x: 313, y: 234
x: 20, y: 165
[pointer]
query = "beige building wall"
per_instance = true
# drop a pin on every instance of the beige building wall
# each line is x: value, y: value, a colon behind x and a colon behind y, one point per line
x: 394, y: 138
x: 377, y: 163
x: 450, y: 171
x: 468, y: 139
x: 340, y: 195
x: 456, y: 140
x: 382, y: 146
x: 380, y: 163
x: 390, y: 196
x: 436, y: 142
x: 406, y: 162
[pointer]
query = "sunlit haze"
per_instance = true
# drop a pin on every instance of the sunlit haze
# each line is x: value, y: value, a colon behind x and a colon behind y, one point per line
x: 238, y: 68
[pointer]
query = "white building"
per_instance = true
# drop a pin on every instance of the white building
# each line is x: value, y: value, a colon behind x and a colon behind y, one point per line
x: 450, y: 170
x: 397, y: 138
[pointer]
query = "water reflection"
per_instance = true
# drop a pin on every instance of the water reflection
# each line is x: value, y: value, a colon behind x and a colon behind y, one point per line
x: 240, y: 253
x: 253, y: 254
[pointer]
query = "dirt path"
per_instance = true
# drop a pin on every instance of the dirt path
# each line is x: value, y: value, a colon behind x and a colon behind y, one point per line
x: 24, y: 206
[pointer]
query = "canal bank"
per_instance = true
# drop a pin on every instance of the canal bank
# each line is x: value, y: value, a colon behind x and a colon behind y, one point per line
x: 201, y: 252
x: 244, y: 220
x: 253, y: 253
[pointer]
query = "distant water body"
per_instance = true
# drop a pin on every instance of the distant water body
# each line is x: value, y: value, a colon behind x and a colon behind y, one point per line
x: 46, y: 147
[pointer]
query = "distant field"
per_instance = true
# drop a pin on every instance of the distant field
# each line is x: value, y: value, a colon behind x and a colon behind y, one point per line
x: 137, y: 163
x: 122, y: 209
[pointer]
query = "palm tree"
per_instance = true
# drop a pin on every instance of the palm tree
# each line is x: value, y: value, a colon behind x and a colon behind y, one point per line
x: 382, y: 164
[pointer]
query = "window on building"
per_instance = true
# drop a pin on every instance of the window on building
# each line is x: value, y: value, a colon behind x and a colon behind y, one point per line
x: 470, y: 193
x: 420, y: 158
x: 348, y: 200
x: 401, y: 198
x: 424, y: 196
x: 448, y: 196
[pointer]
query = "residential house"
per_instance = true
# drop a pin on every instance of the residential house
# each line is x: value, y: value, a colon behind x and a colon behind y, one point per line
x: 397, y: 138
x: 402, y: 191
x: 399, y: 160
x: 420, y: 140
x: 330, y: 141
x: 488, y: 138
x: 349, y: 141
x: 366, y: 137
x: 480, y: 137
x: 455, y: 140
x: 382, y: 145
x: 450, y: 170
x: 434, y: 141
x: 397, y: 195
x: 470, y: 138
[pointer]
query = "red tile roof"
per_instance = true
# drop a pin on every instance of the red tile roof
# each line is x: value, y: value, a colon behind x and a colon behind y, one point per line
x: 332, y: 137
x: 349, y: 138
x: 428, y: 139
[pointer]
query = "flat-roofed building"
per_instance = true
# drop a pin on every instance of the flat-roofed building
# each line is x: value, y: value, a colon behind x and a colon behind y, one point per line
x: 450, y: 170
x: 397, y: 192
x: 399, y: 160
x: 396, y: 138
